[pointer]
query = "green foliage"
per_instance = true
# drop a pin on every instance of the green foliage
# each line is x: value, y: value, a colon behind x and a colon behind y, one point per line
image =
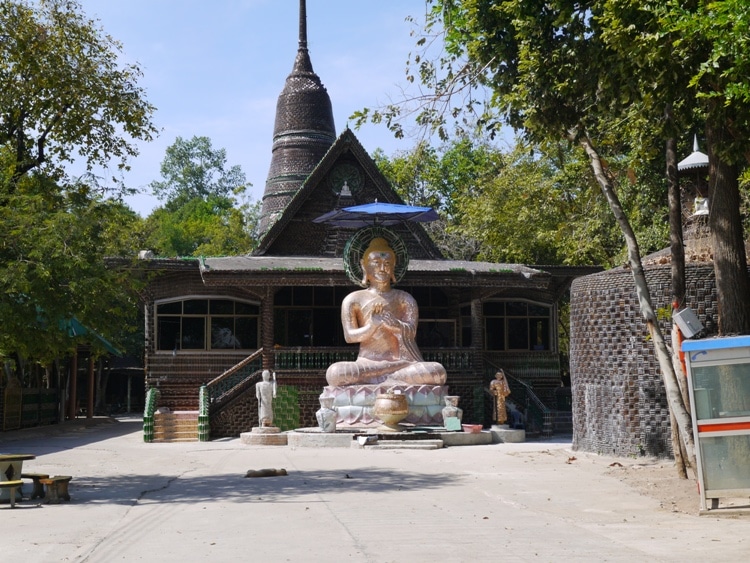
x: 64, y: 93
x: 618, y: 77
x: 439, y: 177
x: 193, y: 169
x: 604, y: 68
x: 52, y: 268
x: 534, y: 206
x: 204, y: 213
x: 200, y: 227
x: 65, y: 97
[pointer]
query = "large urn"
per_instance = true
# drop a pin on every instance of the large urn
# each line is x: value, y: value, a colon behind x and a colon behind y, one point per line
x: 390, y: 409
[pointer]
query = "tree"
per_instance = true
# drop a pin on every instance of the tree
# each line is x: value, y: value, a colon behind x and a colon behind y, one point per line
x: 53, y: 269
x: 212, y: 227
x: 692, y: 59
x: 65, y: 94
x: 65, y: 97
x: 538, y: 211
x: 193, y: 169
x: 204, y: 211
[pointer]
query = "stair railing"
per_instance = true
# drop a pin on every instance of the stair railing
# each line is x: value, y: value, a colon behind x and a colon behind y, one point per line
x: 221, y: 388
x: 538, y: 415
x: 152, y: 397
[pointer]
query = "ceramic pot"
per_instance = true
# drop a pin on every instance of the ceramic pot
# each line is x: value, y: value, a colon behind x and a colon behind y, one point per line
x: 326, y: 415
x: 390, y: 409
x: 451, y: 407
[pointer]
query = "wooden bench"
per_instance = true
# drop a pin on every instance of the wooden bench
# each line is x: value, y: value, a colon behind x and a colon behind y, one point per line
x: 56, y: 489
x: 38, y: 490
x: 11, y: 486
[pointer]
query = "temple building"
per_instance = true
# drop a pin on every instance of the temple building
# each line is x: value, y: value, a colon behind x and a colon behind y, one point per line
x: 217, y: 322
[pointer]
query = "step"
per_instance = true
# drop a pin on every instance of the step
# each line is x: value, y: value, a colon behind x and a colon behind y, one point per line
x: 192, y: 429
x: 177, y: 415
x: 563, y: 421
x: 176, y: 422
x: 402, y: 445
x: 175, y: 438
x: 176, y: 426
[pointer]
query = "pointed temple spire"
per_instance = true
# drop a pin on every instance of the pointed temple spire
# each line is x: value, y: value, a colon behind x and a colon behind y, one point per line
x: 303, y: 132
x: 302, y: 25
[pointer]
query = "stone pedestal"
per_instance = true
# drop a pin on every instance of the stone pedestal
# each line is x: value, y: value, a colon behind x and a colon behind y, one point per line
x: 354, y: 404
x: 502, y: 433
x: 264, y: 436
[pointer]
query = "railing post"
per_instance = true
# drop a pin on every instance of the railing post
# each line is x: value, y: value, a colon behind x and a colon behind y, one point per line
x: 204, y: 425
x: 148, y: 414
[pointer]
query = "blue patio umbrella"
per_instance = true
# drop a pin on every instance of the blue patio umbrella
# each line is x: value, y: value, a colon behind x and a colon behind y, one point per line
x: 377, y: 214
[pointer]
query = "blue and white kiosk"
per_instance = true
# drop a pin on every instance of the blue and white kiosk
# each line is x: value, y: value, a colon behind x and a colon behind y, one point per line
x: 718, y: 371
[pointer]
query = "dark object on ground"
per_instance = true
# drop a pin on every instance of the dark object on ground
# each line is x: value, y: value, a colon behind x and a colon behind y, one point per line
x: 265, y: 472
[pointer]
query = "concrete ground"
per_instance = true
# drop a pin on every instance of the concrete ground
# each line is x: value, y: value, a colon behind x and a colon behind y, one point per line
x: 133, y: 501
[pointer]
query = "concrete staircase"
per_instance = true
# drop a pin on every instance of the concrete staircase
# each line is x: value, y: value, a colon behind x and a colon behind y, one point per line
x: 176, y: 426
x: 563, y: 422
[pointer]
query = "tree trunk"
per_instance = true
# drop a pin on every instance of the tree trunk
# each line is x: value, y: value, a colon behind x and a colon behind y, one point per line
x: 676, y: 243
x: 725, y: 222
x: 671, y: 386
x: 677, y: 249
x: 677, y: 448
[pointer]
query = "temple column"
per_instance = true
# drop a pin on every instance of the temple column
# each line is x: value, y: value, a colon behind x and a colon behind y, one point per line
x: 73, y: 385
x: 267, y: 329
x: 477, y: 335
x: 92, y: 386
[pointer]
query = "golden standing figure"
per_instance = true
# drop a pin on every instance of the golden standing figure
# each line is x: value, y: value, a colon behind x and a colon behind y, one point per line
x: 500, y: 390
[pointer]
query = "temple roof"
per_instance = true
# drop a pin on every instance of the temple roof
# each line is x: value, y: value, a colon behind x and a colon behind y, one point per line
x: 696, y: 159
x: 319, y: 264
x: 294, y: 232
x: 279, y: 270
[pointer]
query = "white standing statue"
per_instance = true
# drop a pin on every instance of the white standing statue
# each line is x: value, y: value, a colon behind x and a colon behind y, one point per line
x: 265, y: 391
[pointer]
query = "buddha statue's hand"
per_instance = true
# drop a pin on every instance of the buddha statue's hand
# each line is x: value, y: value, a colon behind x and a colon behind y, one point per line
x: 391, y: 323
x: 382, y: 321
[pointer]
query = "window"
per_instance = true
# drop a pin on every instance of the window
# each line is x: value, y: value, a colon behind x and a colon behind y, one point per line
x: 437, y: 325
x: 436, y: 333
x: 206, y: 324
x: 516, y: 325
x: 309, y: 316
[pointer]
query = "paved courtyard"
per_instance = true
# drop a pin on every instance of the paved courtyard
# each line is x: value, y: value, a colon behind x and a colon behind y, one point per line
x: 533, y: 501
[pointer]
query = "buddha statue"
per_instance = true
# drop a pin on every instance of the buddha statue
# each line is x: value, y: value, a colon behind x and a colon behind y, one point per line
x: 383, y: 321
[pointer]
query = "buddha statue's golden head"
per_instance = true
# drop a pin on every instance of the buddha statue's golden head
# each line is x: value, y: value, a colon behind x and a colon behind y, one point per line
x: 378, y: 256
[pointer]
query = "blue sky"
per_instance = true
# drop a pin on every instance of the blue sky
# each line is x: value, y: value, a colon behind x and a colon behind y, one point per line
x: 215, y: 68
